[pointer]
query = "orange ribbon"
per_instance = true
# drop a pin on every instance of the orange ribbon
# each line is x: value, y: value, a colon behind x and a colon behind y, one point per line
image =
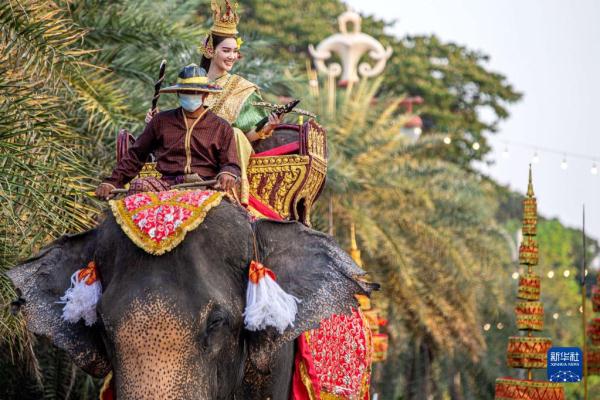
x: 258, y: 271
x: 88, y: 273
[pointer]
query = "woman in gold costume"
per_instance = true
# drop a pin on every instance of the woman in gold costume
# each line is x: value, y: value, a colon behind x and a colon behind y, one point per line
x: 220, y: 51
x: 236, y: 103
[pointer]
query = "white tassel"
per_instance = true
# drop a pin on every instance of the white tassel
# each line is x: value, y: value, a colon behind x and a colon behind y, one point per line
x: 266, y: 302
x: 81, y: 298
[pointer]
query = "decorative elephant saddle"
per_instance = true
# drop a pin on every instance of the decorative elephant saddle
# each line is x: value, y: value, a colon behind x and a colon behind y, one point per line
x: 333, y: 362
x: 158, y: 221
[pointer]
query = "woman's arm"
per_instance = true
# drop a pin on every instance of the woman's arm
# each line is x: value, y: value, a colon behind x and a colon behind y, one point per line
x: 250, y: 115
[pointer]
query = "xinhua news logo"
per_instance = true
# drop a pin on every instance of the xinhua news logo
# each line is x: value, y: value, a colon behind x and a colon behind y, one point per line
x: 565, y: 364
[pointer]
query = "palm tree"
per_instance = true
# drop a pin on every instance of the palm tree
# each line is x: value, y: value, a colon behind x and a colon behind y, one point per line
x: 427, y: 228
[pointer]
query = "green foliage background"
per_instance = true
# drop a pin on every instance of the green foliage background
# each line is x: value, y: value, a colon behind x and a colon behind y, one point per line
x: 439, y: 236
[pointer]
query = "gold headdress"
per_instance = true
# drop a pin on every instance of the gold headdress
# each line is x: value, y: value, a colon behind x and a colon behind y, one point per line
x: 224, y: 24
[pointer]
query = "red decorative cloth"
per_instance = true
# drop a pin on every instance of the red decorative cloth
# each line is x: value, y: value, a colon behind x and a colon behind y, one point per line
x: 334, y: 360
x: 107, y: 391
x: 290, y: 148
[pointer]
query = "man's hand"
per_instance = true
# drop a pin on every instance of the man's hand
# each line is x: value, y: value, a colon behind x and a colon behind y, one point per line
x: 103, y: 191
x: 150, y: 114
x: 225, y: 182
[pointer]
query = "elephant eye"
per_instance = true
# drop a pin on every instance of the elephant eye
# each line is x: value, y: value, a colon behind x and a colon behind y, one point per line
x: 215, y: 321
x: 213, y: 335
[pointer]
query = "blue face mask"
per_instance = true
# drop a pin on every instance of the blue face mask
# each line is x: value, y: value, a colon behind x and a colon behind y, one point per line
x: 190, y: 102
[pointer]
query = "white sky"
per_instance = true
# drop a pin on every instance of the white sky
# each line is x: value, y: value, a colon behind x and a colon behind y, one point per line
x: 550, y: 51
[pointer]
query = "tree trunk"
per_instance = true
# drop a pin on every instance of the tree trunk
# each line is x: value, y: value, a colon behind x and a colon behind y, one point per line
x: 455, y: 384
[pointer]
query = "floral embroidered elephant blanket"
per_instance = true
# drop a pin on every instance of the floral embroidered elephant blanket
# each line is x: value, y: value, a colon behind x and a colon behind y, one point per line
x: 333, y: 362
x: 158, y: 221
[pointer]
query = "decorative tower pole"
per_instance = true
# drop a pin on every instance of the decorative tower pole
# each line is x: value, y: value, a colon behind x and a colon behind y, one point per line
x: 583, y: 308
x: 528, y: 351
x: 593, y: 332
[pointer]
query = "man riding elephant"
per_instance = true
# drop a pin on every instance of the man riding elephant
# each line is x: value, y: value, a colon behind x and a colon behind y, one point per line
x: 191, y: 143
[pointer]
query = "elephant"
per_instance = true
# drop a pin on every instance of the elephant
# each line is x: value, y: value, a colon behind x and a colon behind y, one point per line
x: 171, y: 326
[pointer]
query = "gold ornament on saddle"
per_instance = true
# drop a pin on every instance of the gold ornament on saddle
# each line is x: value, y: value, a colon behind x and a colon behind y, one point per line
x: 224, y: 24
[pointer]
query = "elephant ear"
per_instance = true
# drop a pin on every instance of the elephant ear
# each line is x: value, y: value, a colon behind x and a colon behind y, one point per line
x: 312, y: 267
x: 41, y: 281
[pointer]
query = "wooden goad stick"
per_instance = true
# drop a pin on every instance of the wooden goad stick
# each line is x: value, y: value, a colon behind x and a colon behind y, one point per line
x: 158, y: 84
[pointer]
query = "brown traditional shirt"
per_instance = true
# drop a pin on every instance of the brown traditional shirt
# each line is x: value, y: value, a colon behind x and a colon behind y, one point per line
x: 207, y: 150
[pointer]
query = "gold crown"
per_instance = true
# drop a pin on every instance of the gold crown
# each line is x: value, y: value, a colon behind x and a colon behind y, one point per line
x: 224, y: 23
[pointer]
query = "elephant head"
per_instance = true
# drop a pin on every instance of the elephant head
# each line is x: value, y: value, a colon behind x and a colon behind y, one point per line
x: 171, y: 326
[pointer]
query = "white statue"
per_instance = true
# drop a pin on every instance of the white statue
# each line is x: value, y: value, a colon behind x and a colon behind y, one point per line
x: 350, y: 46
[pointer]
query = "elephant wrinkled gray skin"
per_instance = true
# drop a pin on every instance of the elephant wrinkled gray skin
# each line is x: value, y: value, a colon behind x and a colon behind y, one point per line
x: 171, y: 326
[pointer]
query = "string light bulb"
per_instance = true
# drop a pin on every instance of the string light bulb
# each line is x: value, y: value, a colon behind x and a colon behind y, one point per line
x: 447, y: 140
x: 515, y: 275
x: 487, y: 327
x: 505, y: 153
x: 536, y: 158
x: 563, y: 164
x: 476, y: 146
x: 566, y: 273
x: 594, y: 169
x: 555, y: 315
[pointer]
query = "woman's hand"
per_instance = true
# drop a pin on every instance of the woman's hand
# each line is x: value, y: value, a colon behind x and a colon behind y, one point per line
x: 150, y: 114
x: 274, y: 121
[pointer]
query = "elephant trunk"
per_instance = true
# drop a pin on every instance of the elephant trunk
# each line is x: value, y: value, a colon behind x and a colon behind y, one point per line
x: 157, y: 356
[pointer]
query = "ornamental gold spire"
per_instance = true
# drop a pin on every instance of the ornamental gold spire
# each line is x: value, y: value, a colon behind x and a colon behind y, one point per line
x: 354, y: 251
x: 530, y: 185
x: 527, y: 351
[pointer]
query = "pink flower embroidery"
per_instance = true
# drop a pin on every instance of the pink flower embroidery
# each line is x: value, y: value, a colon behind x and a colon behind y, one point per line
x: 167, y: 214
x: 137, y: 200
